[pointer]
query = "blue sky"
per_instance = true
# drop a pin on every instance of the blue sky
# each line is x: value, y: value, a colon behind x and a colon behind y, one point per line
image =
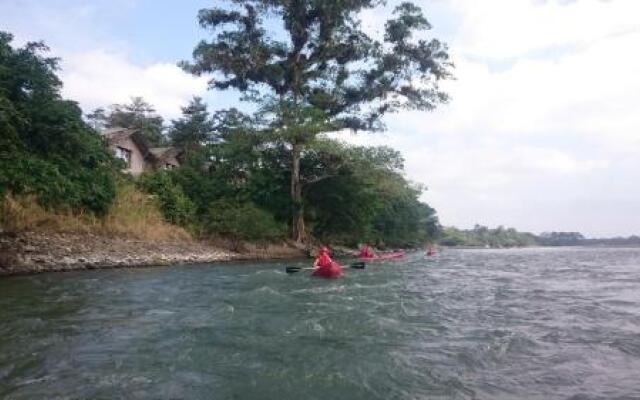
x: 150, y: 30
x: 542, y: 133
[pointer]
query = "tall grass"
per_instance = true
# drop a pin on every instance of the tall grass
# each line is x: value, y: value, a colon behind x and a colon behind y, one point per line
x: 133, y: 215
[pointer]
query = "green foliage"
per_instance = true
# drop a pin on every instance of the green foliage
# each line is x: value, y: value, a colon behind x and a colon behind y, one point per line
x: 97, y: 119
x: 561, y: 238
x: 241, y: 221
x: 633, y: 240
x: 269, y: 180
x: 46, y: 149
x: 224, y: 167
x: 194, y: 128
x: 176, y: 207
x: 350, y: 194
x: 197, y: 182
x: 323, y: 73
x: 355, y: 194
x: 325, y: 60
x: 138, y: 115
x: 236, y: 179
x: 481, y: 236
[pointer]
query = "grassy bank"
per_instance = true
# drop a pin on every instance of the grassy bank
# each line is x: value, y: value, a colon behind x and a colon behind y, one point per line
x: 133, y: 215
x: 134, y: 233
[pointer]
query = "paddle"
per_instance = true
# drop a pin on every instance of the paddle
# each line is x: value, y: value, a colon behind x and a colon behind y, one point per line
x: 293, y: 270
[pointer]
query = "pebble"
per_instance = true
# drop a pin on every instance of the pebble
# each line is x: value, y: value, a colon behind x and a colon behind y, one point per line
x: 33, y: 252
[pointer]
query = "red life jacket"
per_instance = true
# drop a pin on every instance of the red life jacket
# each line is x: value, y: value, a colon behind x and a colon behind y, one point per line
x: 324, y: 261
x: 327, y: 268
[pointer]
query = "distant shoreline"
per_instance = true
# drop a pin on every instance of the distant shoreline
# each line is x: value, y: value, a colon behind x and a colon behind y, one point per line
x: 578, y: 246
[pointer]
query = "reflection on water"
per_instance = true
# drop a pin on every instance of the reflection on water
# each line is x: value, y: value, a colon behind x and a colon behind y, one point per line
x: 467, y: 324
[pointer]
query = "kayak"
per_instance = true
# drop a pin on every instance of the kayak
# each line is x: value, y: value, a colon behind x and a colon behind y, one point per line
x: 385, y: 256
x: 331, y: 272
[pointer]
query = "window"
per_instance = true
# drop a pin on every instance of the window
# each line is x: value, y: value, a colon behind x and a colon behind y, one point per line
x: 124, y: 155
x: 169, y: 166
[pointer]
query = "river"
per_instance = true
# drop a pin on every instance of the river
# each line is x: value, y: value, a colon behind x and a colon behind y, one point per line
x: 466, y: 324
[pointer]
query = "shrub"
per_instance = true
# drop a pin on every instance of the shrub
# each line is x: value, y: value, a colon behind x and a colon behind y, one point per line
x: 46, y: 149
x: 239, y: 222
x: 133, y: 214
x: 176, y: 207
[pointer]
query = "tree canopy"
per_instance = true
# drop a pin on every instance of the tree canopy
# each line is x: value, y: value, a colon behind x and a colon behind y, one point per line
x: 321, y: 72
x: 194, y: 127
x: 324, y: 58
x: 235, y: 181
x: 138, y: 115
x: 46, y: 149
x: 352, y: 193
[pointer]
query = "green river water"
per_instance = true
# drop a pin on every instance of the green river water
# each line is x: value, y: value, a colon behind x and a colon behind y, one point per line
x: 466, y: 324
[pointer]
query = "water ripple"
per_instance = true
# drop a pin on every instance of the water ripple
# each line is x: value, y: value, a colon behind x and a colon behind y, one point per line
x: 466, y: 324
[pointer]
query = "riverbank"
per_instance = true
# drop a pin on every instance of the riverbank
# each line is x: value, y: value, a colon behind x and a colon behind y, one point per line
x: 36, y: 252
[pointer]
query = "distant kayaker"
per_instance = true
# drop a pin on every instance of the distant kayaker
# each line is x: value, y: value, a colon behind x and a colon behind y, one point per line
x: 324, y: 266
x: 365, y: 251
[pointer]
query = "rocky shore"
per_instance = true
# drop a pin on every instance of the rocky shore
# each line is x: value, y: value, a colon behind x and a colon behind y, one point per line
x: 35, y: 252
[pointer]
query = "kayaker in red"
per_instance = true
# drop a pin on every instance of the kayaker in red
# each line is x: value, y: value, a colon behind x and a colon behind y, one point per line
x: 367, y: 254
x: 365, y: 251
x: 325, y: 267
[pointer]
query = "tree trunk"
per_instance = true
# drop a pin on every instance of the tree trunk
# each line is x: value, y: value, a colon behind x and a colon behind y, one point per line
x: 298, y: 231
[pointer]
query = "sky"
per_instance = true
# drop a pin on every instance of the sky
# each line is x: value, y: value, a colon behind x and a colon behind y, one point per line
x: 542, y: 132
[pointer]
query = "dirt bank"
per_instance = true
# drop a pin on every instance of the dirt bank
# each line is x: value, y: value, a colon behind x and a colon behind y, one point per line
x: 35, y: 252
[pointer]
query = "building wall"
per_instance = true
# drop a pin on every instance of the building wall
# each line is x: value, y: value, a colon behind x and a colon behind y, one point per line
x: 138, y: 165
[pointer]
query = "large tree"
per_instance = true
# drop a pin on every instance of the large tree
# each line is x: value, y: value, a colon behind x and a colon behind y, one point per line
x: 320, y: 71
x: 138, y: 115
x: 194, y: 128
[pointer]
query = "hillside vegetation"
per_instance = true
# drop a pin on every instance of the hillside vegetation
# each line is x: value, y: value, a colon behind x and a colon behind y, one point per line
x: 46, y: 149
x: 482, y: 236
x: 133, y: 214
x: 57, y: 173
x: 500, y: 237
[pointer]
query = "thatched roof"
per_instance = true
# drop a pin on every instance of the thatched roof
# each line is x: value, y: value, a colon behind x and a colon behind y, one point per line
x: 114, y: 136
x: 117, y: 135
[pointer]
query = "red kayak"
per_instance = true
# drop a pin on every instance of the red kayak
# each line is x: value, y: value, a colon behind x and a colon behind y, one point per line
x: 331, y: 272
x: 385, y: 256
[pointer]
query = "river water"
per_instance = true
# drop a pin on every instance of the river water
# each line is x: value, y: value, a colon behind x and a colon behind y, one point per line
x: 466, y: 324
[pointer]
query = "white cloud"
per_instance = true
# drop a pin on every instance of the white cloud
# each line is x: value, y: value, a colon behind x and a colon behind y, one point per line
x: 513, y: 28
x: 69, y: 25
x: 99, y: 78
x: 543, y: 131
x: 593, y: 91
x: 98, y: 69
